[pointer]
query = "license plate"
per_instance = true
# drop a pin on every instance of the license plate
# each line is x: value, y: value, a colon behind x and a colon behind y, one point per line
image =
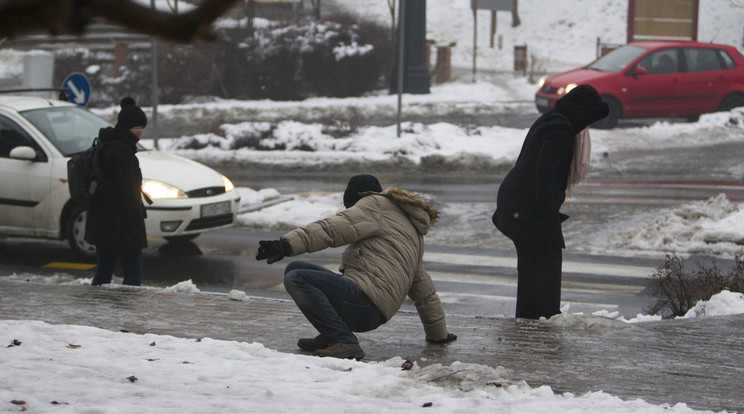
x: 216, y: 209
x: 541, y: 101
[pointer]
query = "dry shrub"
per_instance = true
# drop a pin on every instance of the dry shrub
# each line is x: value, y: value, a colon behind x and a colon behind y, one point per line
x: 679, y: 289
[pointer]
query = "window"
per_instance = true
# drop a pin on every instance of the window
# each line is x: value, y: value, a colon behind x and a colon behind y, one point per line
x: 663, y: 61
x: 616, y: 60
x: 12, y: 136
x: 70, y: 129
x: 699, y: 59
x: 728, y: 61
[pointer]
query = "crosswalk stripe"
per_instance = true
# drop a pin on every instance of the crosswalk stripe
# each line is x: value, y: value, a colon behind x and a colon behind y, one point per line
x: 607, y: 269
x: 451, y: 297
x: 724, y: 185
x: 654, y: 193
x: 511, y: 282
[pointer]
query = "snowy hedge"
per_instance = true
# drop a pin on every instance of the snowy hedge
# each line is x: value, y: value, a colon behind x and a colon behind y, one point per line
x: 279, y: 61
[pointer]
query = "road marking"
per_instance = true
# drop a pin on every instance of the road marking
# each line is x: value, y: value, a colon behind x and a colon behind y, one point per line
x: 71, y: 266
x: 718, y: 185
x: 607, y: 269
x: 456, y: 297
x: 654, y: 193
x: 511, y: 282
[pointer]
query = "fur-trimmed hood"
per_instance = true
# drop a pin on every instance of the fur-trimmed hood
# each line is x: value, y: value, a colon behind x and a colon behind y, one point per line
x: 422, y: 214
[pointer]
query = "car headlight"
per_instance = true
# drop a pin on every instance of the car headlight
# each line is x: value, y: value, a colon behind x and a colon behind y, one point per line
x: 157, y: 189
x: 228, y: 184
x: 566, y: 89
x: 541, y: 82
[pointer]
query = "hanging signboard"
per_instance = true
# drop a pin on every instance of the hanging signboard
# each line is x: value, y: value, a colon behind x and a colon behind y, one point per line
x: 496, y: 5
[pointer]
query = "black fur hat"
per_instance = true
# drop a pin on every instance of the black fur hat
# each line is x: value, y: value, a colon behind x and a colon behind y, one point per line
x: 360, y: 184
x: 130, y: 115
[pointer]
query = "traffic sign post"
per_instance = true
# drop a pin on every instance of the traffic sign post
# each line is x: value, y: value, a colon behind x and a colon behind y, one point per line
x: 78, y: 88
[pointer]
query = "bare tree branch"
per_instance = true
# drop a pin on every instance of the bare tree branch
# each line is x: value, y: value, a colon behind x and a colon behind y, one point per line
x: 174, y: 6
x: 316, y: 8
x: 58, y: 17
x: 391, y: 6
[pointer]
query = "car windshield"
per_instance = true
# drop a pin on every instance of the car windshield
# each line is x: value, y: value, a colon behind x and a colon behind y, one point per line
x: 70, y: 129
x: 616, y: 60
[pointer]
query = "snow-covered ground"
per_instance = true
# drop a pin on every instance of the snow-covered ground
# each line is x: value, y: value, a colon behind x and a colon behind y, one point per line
x: 560, y: 34
x: 79, y: 369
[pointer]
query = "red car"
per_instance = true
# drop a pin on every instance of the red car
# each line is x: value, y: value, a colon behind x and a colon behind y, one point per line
x: 655, y: 80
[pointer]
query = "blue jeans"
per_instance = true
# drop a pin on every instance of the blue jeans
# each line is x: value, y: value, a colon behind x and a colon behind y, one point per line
x: 131, y: 264
x: 335, y: 306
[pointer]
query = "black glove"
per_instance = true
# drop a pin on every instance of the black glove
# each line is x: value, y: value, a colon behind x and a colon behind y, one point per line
x: 450, y: 337
x: 271, y: 250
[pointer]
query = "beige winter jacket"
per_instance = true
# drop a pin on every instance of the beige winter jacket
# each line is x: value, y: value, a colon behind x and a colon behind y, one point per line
x: 385, y: 233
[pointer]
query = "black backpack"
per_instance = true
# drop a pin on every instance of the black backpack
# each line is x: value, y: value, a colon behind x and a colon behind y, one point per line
x: 84, y: 173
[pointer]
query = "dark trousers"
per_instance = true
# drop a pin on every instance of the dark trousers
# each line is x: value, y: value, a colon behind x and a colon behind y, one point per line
x: 335, y: 306
x: 131, y: 264
x: 539, y: 279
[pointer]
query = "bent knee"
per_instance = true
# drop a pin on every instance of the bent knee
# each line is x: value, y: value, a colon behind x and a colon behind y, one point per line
x: 294, y: 265
x: 292, y: 277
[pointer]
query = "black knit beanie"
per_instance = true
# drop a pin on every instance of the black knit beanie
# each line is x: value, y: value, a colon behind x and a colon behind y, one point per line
x: 360, y: 184
x: 130, y: 115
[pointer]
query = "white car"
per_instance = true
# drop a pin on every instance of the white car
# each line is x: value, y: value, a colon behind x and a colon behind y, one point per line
x: 37, y: 137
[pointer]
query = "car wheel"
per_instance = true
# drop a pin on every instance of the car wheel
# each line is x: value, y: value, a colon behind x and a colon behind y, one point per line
x: 616, y: 112
x: 732, y: 101
x: 76, y: 233
x: 182, y: 239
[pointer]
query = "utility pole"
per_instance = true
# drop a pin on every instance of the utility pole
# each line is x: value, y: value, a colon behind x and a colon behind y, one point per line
x: 401, y: 60
x: 154, y: 87
x: 416, y: 77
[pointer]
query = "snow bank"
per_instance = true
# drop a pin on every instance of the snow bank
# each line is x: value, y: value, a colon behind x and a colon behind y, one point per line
x: 295, y: 143
x: 303, y: 209
x: 713, y: 226
x: 73, y: 369
x: 723, y: 303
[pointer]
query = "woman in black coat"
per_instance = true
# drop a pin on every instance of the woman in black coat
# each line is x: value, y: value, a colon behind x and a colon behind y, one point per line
x: 116, y: 216
x: 532, y: 193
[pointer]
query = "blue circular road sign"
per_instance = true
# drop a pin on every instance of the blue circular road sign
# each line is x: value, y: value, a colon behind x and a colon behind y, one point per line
x: 78, y: 88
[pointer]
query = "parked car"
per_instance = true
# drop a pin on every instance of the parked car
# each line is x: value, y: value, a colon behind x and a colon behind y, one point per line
x: 656, y: 79
x: 37, y: 137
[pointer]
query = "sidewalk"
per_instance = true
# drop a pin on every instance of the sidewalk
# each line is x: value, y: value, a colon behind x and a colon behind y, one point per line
x: 697, y: 361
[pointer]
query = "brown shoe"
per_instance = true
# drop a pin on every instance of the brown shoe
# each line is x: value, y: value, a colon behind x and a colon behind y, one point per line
x: 344, y: 351
x: 312, y: 344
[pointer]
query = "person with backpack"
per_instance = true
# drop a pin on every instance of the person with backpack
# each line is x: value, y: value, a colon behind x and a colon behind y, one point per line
x: 116, y: 215
x: 383, y: 263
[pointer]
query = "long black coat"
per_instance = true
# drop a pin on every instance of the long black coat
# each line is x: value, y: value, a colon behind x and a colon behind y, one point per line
x: 116, y: 215
x: 532, y: 193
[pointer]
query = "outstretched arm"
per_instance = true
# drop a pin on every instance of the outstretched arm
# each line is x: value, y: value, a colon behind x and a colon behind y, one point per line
x: 348, y: 226
x: 429, y: 307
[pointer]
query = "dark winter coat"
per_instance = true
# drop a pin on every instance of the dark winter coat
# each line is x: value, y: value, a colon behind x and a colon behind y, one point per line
x: 116, y: 215
x: 532, y: 193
